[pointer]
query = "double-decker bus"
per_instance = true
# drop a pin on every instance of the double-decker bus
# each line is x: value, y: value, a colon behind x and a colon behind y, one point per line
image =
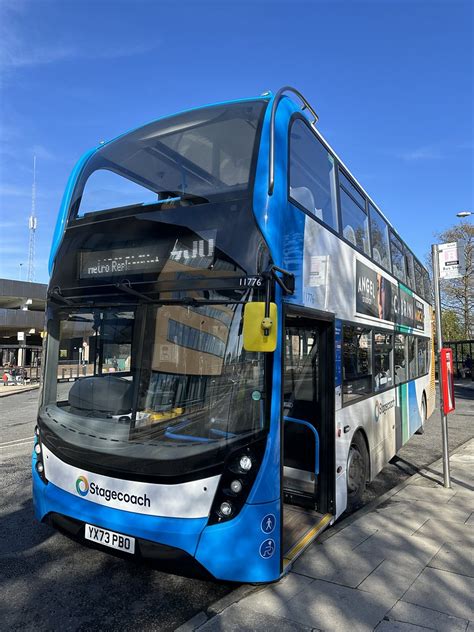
x: 237, y: 341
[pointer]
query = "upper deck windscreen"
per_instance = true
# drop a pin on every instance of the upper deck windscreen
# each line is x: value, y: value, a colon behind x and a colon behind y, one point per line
x: 199, y: 155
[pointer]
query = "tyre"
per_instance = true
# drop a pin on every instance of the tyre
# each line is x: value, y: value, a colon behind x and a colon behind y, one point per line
x: 421, y: 429
x: 357, y: 472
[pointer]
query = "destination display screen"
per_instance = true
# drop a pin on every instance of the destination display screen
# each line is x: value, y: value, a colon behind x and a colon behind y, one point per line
x: 120, y: 261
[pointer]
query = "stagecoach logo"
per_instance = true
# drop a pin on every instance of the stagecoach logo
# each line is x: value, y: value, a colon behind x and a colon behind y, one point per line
x: 380, y: 409
x: 83, y: 487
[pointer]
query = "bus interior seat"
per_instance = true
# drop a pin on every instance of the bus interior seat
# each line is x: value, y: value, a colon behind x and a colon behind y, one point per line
x: 349, y: 234
x: 303, y: 196
x: 376, y: 256
x: 105, y: 394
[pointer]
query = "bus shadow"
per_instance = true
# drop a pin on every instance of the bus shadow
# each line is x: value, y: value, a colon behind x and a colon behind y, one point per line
x: 52, y: 582
x: 428, y: 473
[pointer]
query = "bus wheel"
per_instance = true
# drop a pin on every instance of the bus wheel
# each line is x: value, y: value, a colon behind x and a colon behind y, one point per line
x: 421, y: 429
x: 357, y: 471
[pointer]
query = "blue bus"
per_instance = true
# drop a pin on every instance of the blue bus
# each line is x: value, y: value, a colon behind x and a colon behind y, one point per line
x: 237, y: 341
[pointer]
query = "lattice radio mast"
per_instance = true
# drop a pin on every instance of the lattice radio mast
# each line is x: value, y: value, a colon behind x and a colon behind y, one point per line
x: 32, y: 224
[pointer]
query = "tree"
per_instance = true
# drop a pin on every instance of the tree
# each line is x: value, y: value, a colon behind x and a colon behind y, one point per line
x: 451, y: 325
x: 457, y: 295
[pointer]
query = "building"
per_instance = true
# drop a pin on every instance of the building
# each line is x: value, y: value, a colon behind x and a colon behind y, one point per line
x: 22, y: 307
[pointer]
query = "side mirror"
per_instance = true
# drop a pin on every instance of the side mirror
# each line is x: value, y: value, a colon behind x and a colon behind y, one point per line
x: 260, y: 333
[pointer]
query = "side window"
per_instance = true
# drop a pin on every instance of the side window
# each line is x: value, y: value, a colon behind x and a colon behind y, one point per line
x: 412, y: 372
x: 357, y: 363
x: 379, y: 235
x: 410, y: 269
x: 398, y: 258
x: 419, y: 284
x: 399, y: 358
x: 355, y: 224
x: 312, y: 175
x: 383, y: 361
x: 427, y: 286
x: 422, y: 356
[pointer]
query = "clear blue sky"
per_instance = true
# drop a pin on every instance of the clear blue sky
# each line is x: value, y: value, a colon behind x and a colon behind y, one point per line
x: 392, y: 81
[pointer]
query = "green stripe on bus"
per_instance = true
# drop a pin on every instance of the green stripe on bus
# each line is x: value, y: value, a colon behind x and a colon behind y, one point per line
x: 405, y: 288
x: 404, y: 329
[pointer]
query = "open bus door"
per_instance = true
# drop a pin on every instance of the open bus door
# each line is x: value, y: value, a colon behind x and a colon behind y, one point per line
x: 308, y: 433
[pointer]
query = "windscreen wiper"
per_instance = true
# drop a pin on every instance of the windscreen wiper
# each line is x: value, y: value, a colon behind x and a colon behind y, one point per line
x: 126, y: 286
x: 55, y: 294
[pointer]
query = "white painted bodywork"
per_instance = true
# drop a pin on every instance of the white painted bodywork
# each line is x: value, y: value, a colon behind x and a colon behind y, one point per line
x: 184, y: 500
x: 332, y: 290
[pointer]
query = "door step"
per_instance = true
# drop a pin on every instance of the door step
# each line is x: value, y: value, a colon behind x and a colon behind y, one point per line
x: 299, y: 498
x: 319, y: 523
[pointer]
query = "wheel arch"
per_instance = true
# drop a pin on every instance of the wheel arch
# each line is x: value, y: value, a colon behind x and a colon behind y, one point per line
x: 360, y: 430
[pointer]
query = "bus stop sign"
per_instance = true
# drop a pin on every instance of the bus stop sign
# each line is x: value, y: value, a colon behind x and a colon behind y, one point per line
x: 452, y: 264
x: 447, y: 380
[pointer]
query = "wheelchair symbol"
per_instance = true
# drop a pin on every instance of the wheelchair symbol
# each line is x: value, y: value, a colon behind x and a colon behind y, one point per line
x: 267, y: 548
x: 268, y: 523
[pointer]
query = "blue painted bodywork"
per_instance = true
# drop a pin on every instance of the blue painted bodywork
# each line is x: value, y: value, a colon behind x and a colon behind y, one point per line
x: 230, y: 550
x: 414, y: 417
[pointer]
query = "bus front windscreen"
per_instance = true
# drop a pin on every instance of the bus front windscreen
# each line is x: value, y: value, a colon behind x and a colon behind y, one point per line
x: 202, y: 155
x: 150, y: 389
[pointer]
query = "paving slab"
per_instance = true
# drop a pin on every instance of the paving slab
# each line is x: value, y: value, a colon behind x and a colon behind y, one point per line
x: 463, y: 499
x: 414, y: 492
x: 425, y: 617
x: 402, y: 519
x: 403, y: 548
x: 440, y: 531
x: 339, y: 563
x: 398, y: 626
x: 237, y: 618
x: 456, y: 558
x: 269, y: 598
x: 447, y: 512
x: 391, y: 579
x: 443, y: 591
x: 327, y: 606
x: 352, y: 535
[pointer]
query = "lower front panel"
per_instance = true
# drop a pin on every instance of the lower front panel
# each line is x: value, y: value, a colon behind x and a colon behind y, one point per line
x: 245, y: 549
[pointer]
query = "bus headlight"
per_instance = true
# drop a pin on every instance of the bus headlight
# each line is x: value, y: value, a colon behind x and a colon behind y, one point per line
x: 236, y: 486
x: 226, y: 509
x: 245, y: 463
x: 39, y: 467
x: 238, y: 476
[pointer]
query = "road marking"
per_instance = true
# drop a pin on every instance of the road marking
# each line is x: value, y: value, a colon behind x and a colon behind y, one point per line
x: 15, y: 442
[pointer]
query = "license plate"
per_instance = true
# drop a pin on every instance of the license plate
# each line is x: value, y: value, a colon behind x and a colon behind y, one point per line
x: 110, y: 538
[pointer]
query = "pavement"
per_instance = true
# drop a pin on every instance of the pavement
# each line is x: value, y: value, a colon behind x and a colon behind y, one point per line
x: 405, y: 562
x: 5, y: 391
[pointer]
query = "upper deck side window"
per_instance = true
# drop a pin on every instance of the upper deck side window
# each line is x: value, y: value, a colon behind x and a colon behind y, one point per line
x: 398, y: 258
x: 410, y: 269
x: 379, y: 236
x: 355, y: 224
x: 312, y: 182
x: 419, y: 283
x: 202, y: 155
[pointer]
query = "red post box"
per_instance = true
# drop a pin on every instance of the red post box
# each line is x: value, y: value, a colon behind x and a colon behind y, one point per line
x: 447, y: 380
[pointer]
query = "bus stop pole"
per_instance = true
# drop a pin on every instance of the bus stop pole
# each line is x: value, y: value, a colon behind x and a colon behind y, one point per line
x: 439, y: 345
